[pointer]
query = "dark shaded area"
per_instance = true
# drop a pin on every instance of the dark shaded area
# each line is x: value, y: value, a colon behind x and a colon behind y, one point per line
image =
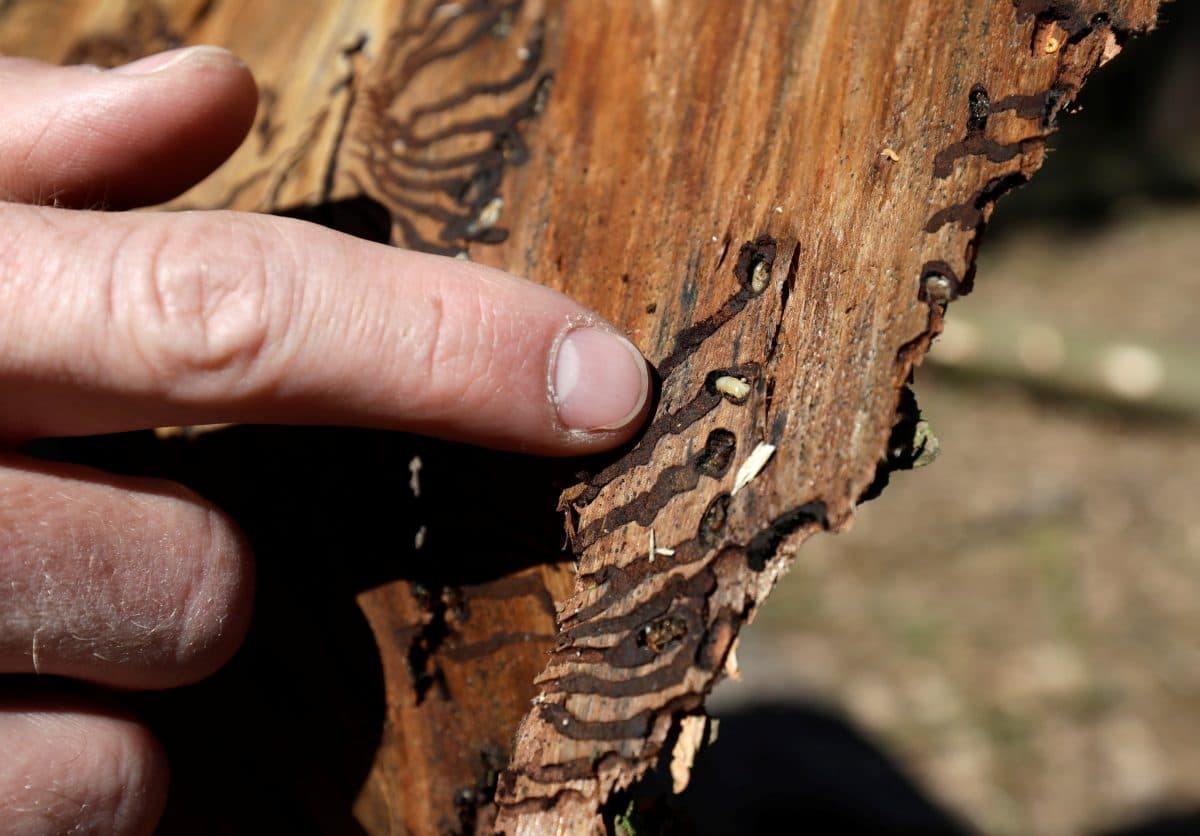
x: 764, y: 545
x: 1135, y: 137
x: 1173, y: 823
x: 362, y: 217
x: 803, y: 768
x: 800, y: 767
x: 903, y: 448
x: 281, y: 739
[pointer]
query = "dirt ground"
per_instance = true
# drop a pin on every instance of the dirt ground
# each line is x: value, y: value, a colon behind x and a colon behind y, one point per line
x: 1009, y: 640
x: 1019, y: 625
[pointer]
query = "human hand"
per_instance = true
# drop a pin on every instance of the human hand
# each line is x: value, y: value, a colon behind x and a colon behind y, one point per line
x: 114, y: 321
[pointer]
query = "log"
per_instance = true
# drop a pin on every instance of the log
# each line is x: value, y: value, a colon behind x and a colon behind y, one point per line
x: 777, y: 200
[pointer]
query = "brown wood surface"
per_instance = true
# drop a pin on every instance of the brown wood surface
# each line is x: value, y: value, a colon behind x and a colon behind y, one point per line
x: 788, y: 192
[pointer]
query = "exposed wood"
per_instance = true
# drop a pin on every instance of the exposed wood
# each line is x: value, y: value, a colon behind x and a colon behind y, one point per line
x: 777, y: 199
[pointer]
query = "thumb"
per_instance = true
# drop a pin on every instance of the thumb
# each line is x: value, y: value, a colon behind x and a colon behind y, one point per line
x: 133, y: 136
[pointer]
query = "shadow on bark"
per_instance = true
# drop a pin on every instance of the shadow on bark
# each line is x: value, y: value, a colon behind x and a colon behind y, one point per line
x: 283, y: 738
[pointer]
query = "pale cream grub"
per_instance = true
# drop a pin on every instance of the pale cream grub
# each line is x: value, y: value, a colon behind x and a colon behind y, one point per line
x: 733, y: 387
x: 760, y: 276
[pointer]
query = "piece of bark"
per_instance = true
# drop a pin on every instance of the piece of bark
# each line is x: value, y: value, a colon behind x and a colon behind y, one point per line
x: 855, y: 150
x: 776, y: 199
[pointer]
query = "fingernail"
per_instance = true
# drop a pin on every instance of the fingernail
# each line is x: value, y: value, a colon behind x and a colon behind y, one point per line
x: 164, y: 60
x: 600, y: 380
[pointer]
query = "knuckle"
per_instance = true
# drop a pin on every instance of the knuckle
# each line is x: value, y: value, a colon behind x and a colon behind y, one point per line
x: 200, y: 318
x: 461, y: 348
x: 434, y: 346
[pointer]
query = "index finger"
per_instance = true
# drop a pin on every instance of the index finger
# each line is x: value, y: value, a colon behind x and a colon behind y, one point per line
x: 113, y: 322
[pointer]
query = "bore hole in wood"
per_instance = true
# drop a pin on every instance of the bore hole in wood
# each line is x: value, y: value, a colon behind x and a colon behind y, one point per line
x: 717, y: 455
x: 938, y: 289
x: 729, y: 384
x: 979, y: 107
x: 754, y: 264
x: 712, y: 523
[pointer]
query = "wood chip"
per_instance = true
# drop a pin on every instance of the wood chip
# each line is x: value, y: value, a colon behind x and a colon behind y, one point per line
x: 731, y: 663
x: 655, y: 551
x: 752, y: 466
x: 414, y: 479
x: 489, y: 216
x: 683, y: 756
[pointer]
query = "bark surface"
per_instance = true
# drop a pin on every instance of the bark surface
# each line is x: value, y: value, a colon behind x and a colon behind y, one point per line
x: 777, y: 200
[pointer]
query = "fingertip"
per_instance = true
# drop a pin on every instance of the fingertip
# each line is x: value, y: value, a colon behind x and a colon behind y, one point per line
x: 599, y: 384
x: 74, y: 768
x: 522, y: 367
x: 133, y: 136
x: 172, y: 58
x: 220, y: 601
x: 145, y: 778
x: 208, y: 100
x: 135, y: 583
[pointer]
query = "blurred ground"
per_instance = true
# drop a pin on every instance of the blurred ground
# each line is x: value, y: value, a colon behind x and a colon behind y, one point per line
x: 1010, y: 639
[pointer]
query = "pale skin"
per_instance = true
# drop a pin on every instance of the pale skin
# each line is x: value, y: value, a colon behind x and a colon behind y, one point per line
x: 114, y: 321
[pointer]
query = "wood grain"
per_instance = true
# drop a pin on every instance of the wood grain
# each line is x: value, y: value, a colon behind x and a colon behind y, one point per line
x: 786, y: 192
